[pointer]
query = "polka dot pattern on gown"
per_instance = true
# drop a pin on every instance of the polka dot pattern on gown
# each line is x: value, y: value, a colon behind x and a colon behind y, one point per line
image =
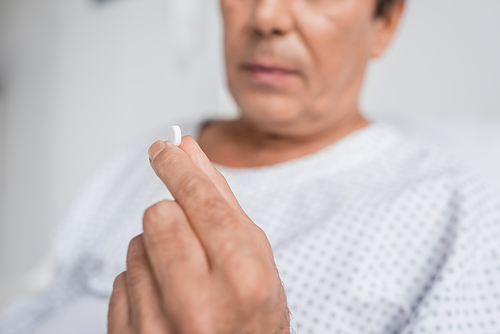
x: 377, y: 233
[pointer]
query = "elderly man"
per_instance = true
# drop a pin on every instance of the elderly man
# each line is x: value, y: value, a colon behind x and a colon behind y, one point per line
x: 300, y: 215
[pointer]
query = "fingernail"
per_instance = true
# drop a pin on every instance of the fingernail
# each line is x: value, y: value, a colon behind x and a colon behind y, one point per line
x: 156, y: 149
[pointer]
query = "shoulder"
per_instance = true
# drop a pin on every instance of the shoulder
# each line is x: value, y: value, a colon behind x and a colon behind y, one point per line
x: 408, y: 160
x: 438, y: 176
x: 414, y: 156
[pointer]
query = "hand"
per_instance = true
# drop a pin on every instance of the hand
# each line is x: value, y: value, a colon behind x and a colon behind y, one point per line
x: 201, y: 265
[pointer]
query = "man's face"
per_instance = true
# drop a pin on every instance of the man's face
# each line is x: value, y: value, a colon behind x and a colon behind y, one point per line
x: 293, y: 62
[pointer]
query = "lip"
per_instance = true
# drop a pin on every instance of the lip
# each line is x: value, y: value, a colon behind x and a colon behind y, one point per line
x: 269, y: 73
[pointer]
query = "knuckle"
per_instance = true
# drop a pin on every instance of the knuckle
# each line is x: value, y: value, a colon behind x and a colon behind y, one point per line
x: 193, y: 187
x: 157, y: 209
x: 259, y: 288
x: 156, y: 214
x: 165, y: 161
x: 136, y: 243
x: 135, y: 248
x: 259, y: 234
x: 119, y: 280
x: 198, y: 190
x: 264, y: 241
x: 166, y: 228
x: 228, y: 251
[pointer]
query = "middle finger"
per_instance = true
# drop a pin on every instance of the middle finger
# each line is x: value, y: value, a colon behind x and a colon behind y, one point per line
x: 176, y: 255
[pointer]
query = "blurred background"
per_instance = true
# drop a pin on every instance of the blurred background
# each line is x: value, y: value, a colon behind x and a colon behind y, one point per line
x: 82, y: 78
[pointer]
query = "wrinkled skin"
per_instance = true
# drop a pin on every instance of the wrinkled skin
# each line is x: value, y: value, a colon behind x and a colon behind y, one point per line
x: 201, y: 265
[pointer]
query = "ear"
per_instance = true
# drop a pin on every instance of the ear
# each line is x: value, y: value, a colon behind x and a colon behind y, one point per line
x: 386, y: 26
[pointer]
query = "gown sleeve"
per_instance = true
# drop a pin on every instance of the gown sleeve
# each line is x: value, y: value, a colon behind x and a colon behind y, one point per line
x: 26, y: 313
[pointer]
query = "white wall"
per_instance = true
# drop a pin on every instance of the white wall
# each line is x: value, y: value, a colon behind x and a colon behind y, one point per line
x: 2, y: 162
x: 80, y: 79
x: 445, y: 61
x: 440, y: 80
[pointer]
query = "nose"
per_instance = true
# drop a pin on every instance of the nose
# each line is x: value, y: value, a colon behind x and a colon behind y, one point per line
x: 272, y: 17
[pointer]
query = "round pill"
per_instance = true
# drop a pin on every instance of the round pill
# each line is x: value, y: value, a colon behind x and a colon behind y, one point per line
x: 175, y: 135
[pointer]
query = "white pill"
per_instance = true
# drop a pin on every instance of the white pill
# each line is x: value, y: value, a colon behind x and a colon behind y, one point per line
x: 175, y: 135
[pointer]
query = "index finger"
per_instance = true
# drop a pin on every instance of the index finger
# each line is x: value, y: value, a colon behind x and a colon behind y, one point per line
x: 215, y: 222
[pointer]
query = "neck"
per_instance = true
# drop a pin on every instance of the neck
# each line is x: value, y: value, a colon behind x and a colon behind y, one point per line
x: 238, y: 143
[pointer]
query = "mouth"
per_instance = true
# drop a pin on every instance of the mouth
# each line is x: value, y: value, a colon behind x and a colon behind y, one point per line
x: 268, y: 74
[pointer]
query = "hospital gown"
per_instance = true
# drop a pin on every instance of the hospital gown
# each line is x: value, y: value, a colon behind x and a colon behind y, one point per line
x: 377, y: 233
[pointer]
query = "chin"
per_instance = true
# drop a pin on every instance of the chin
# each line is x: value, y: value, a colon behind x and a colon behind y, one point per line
x: 269, y: 112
